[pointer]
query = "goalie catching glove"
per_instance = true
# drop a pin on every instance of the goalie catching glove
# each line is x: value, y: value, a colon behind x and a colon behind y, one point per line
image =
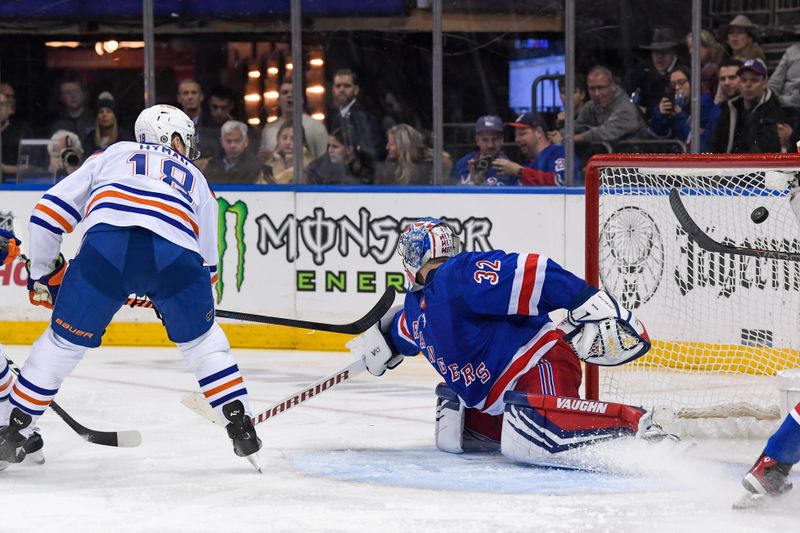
x: 602, y: 332
x: 373, y: 348
x: 43, y: 291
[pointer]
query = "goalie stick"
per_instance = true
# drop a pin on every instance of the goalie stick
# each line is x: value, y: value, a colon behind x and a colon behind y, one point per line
x: 707, y: 243
x: 354, y: 328
x: 197, y: 402
x: 120, y: 439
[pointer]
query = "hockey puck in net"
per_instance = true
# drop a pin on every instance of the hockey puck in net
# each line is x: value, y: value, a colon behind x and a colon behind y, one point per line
x: 759, y: 215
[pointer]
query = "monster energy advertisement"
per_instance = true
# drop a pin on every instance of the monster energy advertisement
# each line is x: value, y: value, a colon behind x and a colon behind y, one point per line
x: 327, y: 256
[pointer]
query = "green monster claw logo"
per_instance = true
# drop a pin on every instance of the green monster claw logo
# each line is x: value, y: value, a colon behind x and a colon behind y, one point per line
x: 239, y: 209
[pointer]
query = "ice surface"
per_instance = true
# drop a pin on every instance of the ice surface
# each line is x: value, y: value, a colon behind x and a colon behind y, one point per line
x: 360, y: 457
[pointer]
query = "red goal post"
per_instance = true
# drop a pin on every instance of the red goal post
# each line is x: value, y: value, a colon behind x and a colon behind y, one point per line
x: 712, y: 316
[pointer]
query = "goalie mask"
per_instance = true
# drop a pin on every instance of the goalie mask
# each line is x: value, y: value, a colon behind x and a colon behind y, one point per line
x: 159, y: 123
x: 425, y: 239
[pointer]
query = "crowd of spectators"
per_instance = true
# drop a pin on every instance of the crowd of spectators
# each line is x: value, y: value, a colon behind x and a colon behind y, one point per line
x: 743, y: 109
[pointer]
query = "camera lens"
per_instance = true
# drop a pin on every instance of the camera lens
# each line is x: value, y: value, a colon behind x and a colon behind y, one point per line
x: 72, y: 159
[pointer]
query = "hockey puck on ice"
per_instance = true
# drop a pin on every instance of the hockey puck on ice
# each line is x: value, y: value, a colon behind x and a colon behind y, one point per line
x: 759, y: 215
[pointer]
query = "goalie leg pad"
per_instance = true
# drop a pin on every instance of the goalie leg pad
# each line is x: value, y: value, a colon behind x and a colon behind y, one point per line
x: 449, y: 420
x: 547, y: 430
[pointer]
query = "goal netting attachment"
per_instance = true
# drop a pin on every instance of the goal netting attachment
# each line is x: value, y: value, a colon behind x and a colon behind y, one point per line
x: 722, y: 324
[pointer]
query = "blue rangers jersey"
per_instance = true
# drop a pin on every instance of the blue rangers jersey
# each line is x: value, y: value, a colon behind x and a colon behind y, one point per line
x: 482, y: 321
x: 129, y: 184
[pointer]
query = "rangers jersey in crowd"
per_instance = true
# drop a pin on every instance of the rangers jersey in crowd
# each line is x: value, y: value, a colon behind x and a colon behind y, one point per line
x: 482, y: 320
x: 129, y: 184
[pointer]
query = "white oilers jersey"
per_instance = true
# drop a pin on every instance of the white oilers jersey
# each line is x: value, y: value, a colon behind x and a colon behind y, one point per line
x: 129, y: 184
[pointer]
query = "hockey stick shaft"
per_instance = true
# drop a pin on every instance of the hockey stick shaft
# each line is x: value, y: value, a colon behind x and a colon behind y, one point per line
x: 197, y: 403
x: 707, y: 243
x: 353, y: 328
x: 121, y: 439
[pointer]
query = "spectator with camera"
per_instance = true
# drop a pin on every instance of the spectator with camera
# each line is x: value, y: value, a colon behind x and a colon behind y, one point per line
x: 236, y: 164
x: 66, y: 154
x: 748, y: 123
x: 476, y: 168
x: 672, y: 117
x: 546, y: 161
x: 107, y: 130
x: 647, y: 82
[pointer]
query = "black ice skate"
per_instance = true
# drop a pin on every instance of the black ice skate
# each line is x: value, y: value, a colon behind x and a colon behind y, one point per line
x: 242, y: 433
x: 12, y: 443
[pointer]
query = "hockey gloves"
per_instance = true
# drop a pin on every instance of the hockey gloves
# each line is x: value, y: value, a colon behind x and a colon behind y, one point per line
x: 373, y: 348
x: 43, y: 291
x: 9, y: 247
x: 602, y: 332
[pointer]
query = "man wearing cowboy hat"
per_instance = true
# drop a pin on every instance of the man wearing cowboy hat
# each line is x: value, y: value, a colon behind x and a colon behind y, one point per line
x: 741, y: 35
x: 647, y: 83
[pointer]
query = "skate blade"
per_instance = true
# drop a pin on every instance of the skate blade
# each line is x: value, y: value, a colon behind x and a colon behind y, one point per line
x: 4, y: 465
x: 254, y: 460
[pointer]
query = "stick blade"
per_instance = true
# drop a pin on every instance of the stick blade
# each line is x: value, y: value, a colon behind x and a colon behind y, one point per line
x: 198, y: 404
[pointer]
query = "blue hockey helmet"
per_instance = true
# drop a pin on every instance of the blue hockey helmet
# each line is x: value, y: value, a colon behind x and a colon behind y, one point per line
x: 427, y: 238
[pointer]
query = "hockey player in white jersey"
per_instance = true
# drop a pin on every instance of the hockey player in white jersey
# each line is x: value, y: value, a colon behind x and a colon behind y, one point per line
x: 511, y: 375
x: 151, y: 228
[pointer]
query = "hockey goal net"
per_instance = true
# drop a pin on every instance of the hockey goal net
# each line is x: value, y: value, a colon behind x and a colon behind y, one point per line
x: 722, y: 324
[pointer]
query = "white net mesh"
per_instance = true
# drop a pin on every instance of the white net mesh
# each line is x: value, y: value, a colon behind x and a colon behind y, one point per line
x: 722, y: 325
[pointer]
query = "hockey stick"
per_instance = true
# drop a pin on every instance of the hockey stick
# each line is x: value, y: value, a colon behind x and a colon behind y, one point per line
x: 197, y: 402
x: 121, y: 439
x: 707, y: 243
x: 354, y: 328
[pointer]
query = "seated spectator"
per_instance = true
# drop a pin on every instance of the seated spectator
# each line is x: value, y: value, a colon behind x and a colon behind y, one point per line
x: 749, y: 122
x: 741, y: 36
x: 314, y: 132
x: 282, y: 160
x: 672, y: 118
x: 785, y: 81
x: 647, y: 82
x: 342, y: 164
x: 728, y: 81
x: 107, y: 130
x: 66, y: 154
x: 408, y: 160
x: 75, y: 116
x: 546, y: 161
x: 236, y: 164
x: 609, y: 116
x: 475, y: 168
x: 712, y: 55
x: 12, y: 133
x: 579, y: 97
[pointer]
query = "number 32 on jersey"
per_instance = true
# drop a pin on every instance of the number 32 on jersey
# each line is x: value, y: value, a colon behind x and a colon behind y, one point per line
x: 487, y: 271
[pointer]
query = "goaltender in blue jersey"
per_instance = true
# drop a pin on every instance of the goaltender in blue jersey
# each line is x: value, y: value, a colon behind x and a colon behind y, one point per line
x: 151, y: 229
x: 511, y: 375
